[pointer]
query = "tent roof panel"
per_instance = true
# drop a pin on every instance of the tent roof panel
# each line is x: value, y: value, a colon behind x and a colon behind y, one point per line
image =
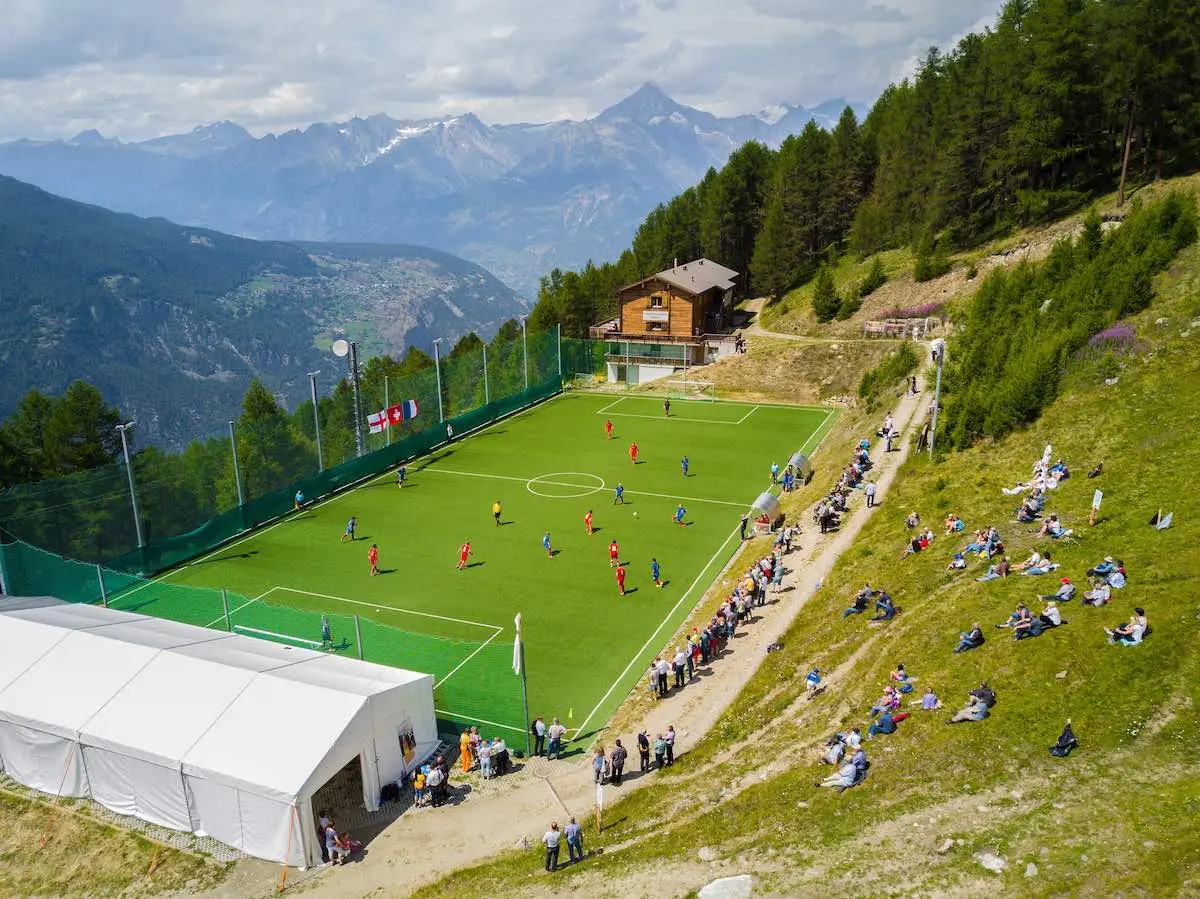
x: 277, y: 734
x: 67, y: 685
x: 24, y: 643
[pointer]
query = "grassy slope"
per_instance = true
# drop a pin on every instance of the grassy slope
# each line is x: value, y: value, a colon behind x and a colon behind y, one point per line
x: 419, y: 529
x: 85, y: 857
x: 1119, y: 815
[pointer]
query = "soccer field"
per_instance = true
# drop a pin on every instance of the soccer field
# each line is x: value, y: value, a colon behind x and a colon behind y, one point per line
x: 585, y: 644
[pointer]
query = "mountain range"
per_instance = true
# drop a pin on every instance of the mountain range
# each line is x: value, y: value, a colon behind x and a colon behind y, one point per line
x: 170, y: 322
x: 518, y: 199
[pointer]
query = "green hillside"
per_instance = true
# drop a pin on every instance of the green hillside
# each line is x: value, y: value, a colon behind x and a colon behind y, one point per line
x: 171, y: 322
x: 1117, y: 816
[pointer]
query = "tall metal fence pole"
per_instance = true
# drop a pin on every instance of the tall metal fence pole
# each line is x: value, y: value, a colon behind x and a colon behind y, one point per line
x: 525, y: 352
x: 133, y: 497
x: 437, y: 367
x: 225, y: 608
x: 387, y: 404
x: 487, y: 395
x: 237, y: 469
x: 558, y: 337
x: 358, y: 637
x: 312, y: 384
x: 358, y: 430
x: 103, y: 591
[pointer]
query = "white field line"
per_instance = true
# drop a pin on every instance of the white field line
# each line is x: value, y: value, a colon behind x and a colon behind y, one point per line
x: 248, y: 602
x: 637, y: 655
x: 817, y: 432
x: 375, y: 605
x: 520, y: 730
x: 670, y: 614
x: 468, y: 658
x: 747, y: 415
x: 703, y: 421
x: 342, y: 494
x: 615, y: 402
x: 509, y: 477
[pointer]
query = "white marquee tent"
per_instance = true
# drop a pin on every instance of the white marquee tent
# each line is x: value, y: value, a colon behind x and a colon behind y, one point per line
x: 194, y: 729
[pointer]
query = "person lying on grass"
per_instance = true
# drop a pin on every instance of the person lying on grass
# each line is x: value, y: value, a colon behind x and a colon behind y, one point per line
x: 1052, y: 528
x: 1130, y: 634
x: 845, y: 778
x: 886, y: 724
x: 971, y: 639
x: 1022, y: 623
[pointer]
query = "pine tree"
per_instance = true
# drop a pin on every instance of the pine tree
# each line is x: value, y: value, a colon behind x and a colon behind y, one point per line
x: 825, y: 301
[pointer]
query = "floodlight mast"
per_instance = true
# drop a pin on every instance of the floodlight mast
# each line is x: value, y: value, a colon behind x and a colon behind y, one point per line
x: 133, y: 497
x: 937, y: 350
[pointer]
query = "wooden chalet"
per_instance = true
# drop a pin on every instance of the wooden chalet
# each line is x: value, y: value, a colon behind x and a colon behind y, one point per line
x: 669, y: 321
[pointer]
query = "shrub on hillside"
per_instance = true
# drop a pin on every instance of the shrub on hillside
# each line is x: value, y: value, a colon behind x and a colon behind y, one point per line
x: 826, y: 302
x: 925, y: 310
x: 849, y: 305
x: 1024, y: 325
x: 932, y: 259
x: 875, y: 279
x: 895, y: 367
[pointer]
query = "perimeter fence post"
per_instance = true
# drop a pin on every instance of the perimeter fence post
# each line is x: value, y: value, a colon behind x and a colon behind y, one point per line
x: 103, y: 592
x: 225, y: 608
x: 358, y: 637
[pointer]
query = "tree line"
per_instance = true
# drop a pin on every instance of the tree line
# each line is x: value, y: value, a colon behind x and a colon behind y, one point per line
x: 1057, y: 102
x: 61, y: 486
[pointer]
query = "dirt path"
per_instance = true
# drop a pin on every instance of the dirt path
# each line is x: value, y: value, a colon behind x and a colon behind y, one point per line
x: 425, y: 844
x: 753, y: 329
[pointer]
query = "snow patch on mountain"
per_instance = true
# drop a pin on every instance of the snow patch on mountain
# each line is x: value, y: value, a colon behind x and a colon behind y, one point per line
x: 772, y: 115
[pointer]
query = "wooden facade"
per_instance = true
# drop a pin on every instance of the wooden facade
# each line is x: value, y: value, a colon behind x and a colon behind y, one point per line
x: 654, y: 308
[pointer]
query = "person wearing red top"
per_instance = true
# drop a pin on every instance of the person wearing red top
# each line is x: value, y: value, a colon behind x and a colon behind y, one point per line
x: 633, y: 451
x: 587, y: 521
x: 608, y: 427
x: 463, y: 552
x: 373, y: 558
x: 621, y: 579
x: 614, y: 555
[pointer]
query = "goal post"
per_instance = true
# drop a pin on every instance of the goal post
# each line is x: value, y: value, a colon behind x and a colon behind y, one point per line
x: 584, y: 380
x: 691, y: 389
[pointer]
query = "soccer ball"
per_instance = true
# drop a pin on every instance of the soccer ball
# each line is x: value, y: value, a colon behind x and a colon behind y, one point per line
x: 635, y: 514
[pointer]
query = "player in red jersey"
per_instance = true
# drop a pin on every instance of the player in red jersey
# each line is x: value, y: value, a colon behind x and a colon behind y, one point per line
x: 463, y: 552
x: 608, y: 427
x: 373, y: 558
x: 621, y: 579
x: 587, y: 521
x: 614, y: 555
x: 633, y: 451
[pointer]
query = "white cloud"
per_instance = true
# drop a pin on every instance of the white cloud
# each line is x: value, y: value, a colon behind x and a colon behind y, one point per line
x: 139, y: 68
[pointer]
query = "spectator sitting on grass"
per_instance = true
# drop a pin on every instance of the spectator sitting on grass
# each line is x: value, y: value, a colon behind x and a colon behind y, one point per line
x: 889, y: 700
x: 1066, y: 592
x: 953, y: 524
x: 977, y: 543
x: 1034, y: 560
x: 957, y: 562
x: 860, y: 602
x: 845, y: 778
x: 999, y: 570
x: 1051, y: 616
x: 979, y: 701
x: 1028, y: 510
x: 835, y: 750
x: 1132, y: 633
x: 901, y: 679
x: 970, y: 639
x: 929, y: 702
x: 886, y: 724
x: 884, y: 608
x: 1099, y: 595
x: 913, y: 521
x: 1052, y: 528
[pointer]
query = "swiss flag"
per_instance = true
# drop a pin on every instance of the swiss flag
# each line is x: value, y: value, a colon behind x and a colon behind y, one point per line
x: 395, y: 414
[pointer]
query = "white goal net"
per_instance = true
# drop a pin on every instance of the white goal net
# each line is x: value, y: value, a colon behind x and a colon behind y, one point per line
x: 691, y: 390
x: 585, y: 381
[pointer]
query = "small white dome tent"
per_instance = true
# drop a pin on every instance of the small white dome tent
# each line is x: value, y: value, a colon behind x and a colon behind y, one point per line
x: 766, y: 512
x: 195, y: 729
x: 802, y: 466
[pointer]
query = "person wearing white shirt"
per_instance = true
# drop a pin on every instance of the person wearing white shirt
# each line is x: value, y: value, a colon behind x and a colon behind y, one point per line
x: 551, y: 840
x: 556, y: 733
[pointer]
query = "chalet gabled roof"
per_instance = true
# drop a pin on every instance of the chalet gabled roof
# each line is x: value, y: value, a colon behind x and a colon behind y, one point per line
x: 694, y: 277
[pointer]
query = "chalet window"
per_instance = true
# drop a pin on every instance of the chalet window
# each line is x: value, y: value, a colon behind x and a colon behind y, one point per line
x: 656, y: 326
x: 656, y: 301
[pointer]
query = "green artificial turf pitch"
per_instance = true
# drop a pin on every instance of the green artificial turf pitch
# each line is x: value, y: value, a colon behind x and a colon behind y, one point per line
x: 585, y: 644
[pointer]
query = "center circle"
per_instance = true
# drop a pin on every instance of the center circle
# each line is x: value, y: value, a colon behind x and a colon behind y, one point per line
x: 565, y: 485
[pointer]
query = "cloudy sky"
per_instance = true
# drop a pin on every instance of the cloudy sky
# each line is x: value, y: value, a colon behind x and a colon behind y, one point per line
x: 141, y: 68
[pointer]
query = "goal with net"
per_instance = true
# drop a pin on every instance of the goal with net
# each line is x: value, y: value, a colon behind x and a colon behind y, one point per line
x: 585, y: 381
x: 686, y: 389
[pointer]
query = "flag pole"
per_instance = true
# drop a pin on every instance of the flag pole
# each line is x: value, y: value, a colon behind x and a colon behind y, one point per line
x: 520, y: 663
x: 387, y: 405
